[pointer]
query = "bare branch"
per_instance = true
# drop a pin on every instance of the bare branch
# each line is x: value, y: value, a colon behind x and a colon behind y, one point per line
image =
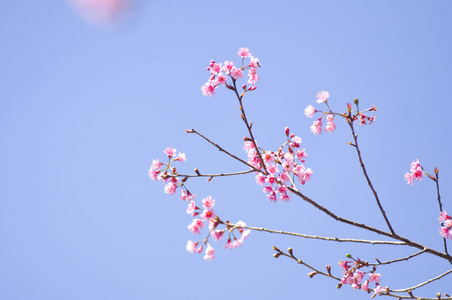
x: 399, y: 259
x: 210, y: 175
x: 332, y: 239
x: 423, y: 283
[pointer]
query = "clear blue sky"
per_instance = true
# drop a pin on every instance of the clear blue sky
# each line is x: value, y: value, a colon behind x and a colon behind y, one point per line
x: 84, y: 109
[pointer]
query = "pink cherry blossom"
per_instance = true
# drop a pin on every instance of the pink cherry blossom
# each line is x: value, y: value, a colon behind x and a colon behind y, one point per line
x: 227, y: 67
x: 221, y: 79
x: 253, y: 77
x: 378, y: 290
x: 322, y: 96
x: 153, y: 174
x: 187, y: 196
x: 260, y: 179
x: 181, y: 157
x: 214, y: 68
x: 208, y: 202
x: 208, y: 214
x: 196, y: 226
x: 210, y: 253
x: 244, y: 52
x: 236, y: 73
x: 374, y: 277
x: 445, y: 232
x: 301, y: 154
x: 443, y: 216
x: 191, y: 207
x: 170, y: 188
x: 156, y: 164
x: 295, y: 142
x: 208, y: 89
x: 170, y: 151
x: 316, y: 127
x: 193, y: 247
x: 217, y: 234
x: 365, y: 285
x: 254, y: 62
x: 309, y: 111
x: 330, y: 127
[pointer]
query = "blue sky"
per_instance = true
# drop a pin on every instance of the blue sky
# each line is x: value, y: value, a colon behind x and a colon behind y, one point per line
x: 85, y: 109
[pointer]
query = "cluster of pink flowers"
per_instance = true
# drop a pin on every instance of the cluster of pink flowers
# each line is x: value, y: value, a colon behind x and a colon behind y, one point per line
x: 159, y: 171
x: 280, y: 166
x: 322, y: 97
x: 416, y: 172
x: 354, y: 277
x: 446, y: 221
x: 219, y: 73
x: 204, y: 216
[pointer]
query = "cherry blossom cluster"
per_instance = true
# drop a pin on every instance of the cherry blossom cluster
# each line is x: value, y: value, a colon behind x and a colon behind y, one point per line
x: 322, y: 97
x: 204, y: 215
x: 280, y: 167
x: 416, y: 172
x: 353, y: 276
x: 446, y: 222
x: 159, y: 171
x: 219, y: 74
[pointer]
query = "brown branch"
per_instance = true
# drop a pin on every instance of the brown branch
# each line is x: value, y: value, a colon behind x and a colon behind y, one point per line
x: 370, y: 228
x: 210, y: 175
x: 355, y: 137
x: 399, y: 259
x: 332, y: 239
x: 439, y: 203
x: 223, y: 150
x: 423, y: 283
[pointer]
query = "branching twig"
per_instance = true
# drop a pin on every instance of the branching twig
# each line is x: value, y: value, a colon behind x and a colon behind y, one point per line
x: 423, y: 283
x: 355, y: 137
x: 223, y: 150
x: 399, y: 259
x: 439, y: 202
x: 210, y: 175
x: 332, y: 239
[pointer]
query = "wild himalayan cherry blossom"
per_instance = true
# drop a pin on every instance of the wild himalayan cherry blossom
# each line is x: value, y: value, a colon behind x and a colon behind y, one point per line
x: 196, y: 226
x: 236, y: 73
x: 99, y: 11
x: 354, y: 277
x: 208, y: 89
x: 330, y: 126
x: 446, y: 229
x: 193, y: 247
x: 309, y: 111
x: 415, y: 172
x: 170, y: 152
x: 322, y: 96
x: 210, y: 253
x: 244, y: 52
x: 316, y: 127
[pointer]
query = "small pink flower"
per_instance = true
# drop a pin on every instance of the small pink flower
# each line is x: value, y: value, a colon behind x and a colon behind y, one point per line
x: 445, y: 232
x: 181, y: 157
x: 365, y: 286
x: 378, y: 290
x: 153, y: 174
x: 295, y: 142
x: 186, y: 196
x: 228, y: 244
x: 443, y: 216
x: 316, y: 128
x: 208, y: 202
x: 221, y: 79
x: 215, y: 68
x: 170, y: 151
x: 248, y: 145
x: 170, y: 188
x: 196, y: 226
x: 260, y: 179
x: 322, y: 96
x: 208, y: 89
x: 210, y: 253
x: 191, y: 207
x: 227, y: 67
x: 244, y: 52
x: 330, y: 127
x: 217, y: 234
x: 309, y: 111
x: 236, y: 73
x: 254, y: 62
x: 253, y: 77
x: 301, y: 154
x: 156, y: 164
x: 193, y: 247
x: 374, y: 277
x: 208, y: 214
x: 409, y: 178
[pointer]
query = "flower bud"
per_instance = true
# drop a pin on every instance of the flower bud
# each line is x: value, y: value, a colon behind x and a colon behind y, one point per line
x: 348, y: 255
x: 290, y: 251
x: 287, y: 130
x: 276, y: 255
x: 356, y: 101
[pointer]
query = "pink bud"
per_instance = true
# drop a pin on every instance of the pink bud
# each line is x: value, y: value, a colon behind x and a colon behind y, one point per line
x: 287, y: 130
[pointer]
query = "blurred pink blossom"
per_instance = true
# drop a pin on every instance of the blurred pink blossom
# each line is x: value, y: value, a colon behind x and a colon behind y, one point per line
x: 100, y: 11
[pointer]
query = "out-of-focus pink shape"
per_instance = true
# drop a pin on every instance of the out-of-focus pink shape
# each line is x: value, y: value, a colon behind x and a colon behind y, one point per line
x: 100, y: 11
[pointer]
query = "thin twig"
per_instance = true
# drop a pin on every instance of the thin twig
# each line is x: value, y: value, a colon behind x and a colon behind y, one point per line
x: 332, y: 239
x: 223, y: 150
x: 355, y: 137
x: 399, y: 259
x: 210, y: 175
x: 253, y: 140
x: 423, y: 283
x: 370, y: 228
x: 440, y: 204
